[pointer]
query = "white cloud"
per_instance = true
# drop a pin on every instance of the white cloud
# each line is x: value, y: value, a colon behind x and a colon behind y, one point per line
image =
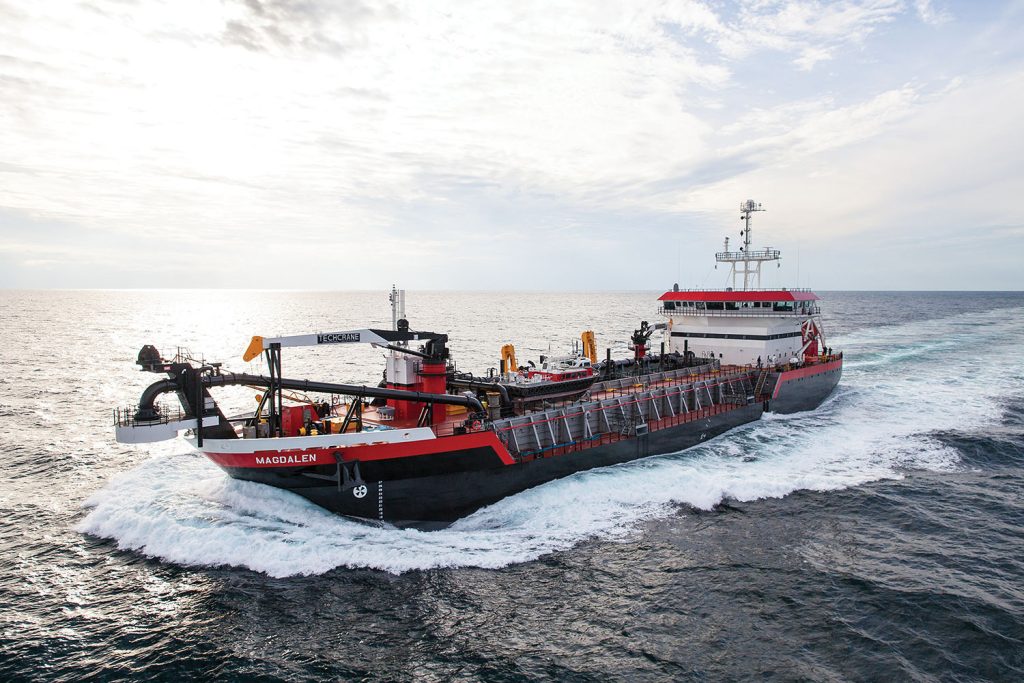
x: 809, y: 56
x: 938, y: 161
x: 805, y: 128
x: 811, y: 30
x: 381, y: 132
x: 143, y: 119
x: 929, y: 14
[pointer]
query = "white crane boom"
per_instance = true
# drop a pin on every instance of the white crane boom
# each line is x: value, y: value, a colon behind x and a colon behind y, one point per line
x: 380, y: 337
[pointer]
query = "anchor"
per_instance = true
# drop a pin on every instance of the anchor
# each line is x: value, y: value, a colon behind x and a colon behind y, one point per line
x: 346, y: 476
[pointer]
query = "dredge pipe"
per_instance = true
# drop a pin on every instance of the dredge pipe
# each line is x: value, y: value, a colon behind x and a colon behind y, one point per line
x: 481, y: 384
x: 231, y: 378
x: 147, y: 411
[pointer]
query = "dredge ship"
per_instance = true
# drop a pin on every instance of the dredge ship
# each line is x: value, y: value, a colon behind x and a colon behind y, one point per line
x: 431, y: 444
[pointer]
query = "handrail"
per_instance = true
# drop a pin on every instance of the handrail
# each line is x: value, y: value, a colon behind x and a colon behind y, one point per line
x: 754, y: 255
x: 739, y: 312
x: 761, y: 380
x: 748, y: 289
x: 128, y: 416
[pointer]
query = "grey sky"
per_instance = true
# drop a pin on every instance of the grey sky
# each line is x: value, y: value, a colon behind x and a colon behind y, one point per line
x: 583, y: 145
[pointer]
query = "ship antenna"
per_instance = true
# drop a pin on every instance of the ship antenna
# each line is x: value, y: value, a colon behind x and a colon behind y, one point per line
x: 393, y: 298
x: 750, y: 258
x: 746, y: 208
x: 397, y: 299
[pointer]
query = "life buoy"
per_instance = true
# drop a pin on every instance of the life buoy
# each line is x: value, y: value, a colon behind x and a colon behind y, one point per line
x: 476, y: 425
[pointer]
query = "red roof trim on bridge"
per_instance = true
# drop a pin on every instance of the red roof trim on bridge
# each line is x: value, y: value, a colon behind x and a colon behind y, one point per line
x: 775, y: 295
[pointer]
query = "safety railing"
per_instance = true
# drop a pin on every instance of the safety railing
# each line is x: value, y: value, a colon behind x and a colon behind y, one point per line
x: 740, y: 312
x: 748, y: 289
x: 630, y: 383
x: 125, y: 417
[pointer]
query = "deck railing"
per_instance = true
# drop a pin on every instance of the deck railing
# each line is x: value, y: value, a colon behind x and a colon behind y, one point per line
x: 748, y: 289
x: 740, y: 312
x: 164, y: 414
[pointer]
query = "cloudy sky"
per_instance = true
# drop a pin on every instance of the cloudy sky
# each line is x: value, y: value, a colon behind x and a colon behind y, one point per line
x: 323, y: 144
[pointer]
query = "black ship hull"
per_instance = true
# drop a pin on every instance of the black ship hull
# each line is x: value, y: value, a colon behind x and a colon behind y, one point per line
x: 441, y: 480
x: 448, y: 496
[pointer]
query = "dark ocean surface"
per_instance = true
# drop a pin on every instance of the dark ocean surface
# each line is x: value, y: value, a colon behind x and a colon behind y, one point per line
x: 880, y: 537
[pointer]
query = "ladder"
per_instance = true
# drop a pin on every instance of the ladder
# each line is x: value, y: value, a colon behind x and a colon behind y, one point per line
x: 761, y: 379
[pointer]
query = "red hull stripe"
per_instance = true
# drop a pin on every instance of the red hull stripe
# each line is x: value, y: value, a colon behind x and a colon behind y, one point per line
x: 804, y: 372
x: 779, y: 295
x: 383, y: 451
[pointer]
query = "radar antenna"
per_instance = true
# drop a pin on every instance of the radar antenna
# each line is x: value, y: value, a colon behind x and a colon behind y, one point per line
x: 751, y: 259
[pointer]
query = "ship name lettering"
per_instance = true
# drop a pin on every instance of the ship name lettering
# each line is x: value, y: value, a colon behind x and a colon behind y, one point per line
x: 286, y: 459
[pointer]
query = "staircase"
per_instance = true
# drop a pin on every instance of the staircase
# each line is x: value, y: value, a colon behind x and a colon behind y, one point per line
x: 761, y: 380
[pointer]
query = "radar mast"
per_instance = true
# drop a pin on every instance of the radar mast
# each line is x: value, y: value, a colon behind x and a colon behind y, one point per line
x: 398, y: 320
x: 747, y: 261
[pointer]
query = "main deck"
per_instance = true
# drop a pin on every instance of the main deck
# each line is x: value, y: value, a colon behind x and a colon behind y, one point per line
x: 372, y: 418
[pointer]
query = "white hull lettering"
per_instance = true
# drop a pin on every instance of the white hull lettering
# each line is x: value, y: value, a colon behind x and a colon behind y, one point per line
x: 304, y: 459
x: 337, y: 338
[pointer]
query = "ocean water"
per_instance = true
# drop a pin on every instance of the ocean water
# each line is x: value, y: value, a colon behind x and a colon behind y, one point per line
x: 880, y: 537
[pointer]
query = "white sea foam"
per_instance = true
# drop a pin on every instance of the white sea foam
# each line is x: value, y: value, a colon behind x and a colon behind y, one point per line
x: 903, y: 383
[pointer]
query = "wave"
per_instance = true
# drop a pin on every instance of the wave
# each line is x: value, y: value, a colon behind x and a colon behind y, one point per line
x: 990, y: 450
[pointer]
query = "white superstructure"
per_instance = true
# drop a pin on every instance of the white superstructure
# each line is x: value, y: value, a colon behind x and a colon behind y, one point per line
x: 744, y: 323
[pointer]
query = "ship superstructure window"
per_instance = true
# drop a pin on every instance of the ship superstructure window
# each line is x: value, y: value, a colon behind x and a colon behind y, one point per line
x: 670, y: 305
x: 783, y: 306
x: 714, y: 306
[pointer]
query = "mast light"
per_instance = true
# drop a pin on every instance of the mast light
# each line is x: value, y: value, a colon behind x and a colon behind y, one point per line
x: 750, y: 258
